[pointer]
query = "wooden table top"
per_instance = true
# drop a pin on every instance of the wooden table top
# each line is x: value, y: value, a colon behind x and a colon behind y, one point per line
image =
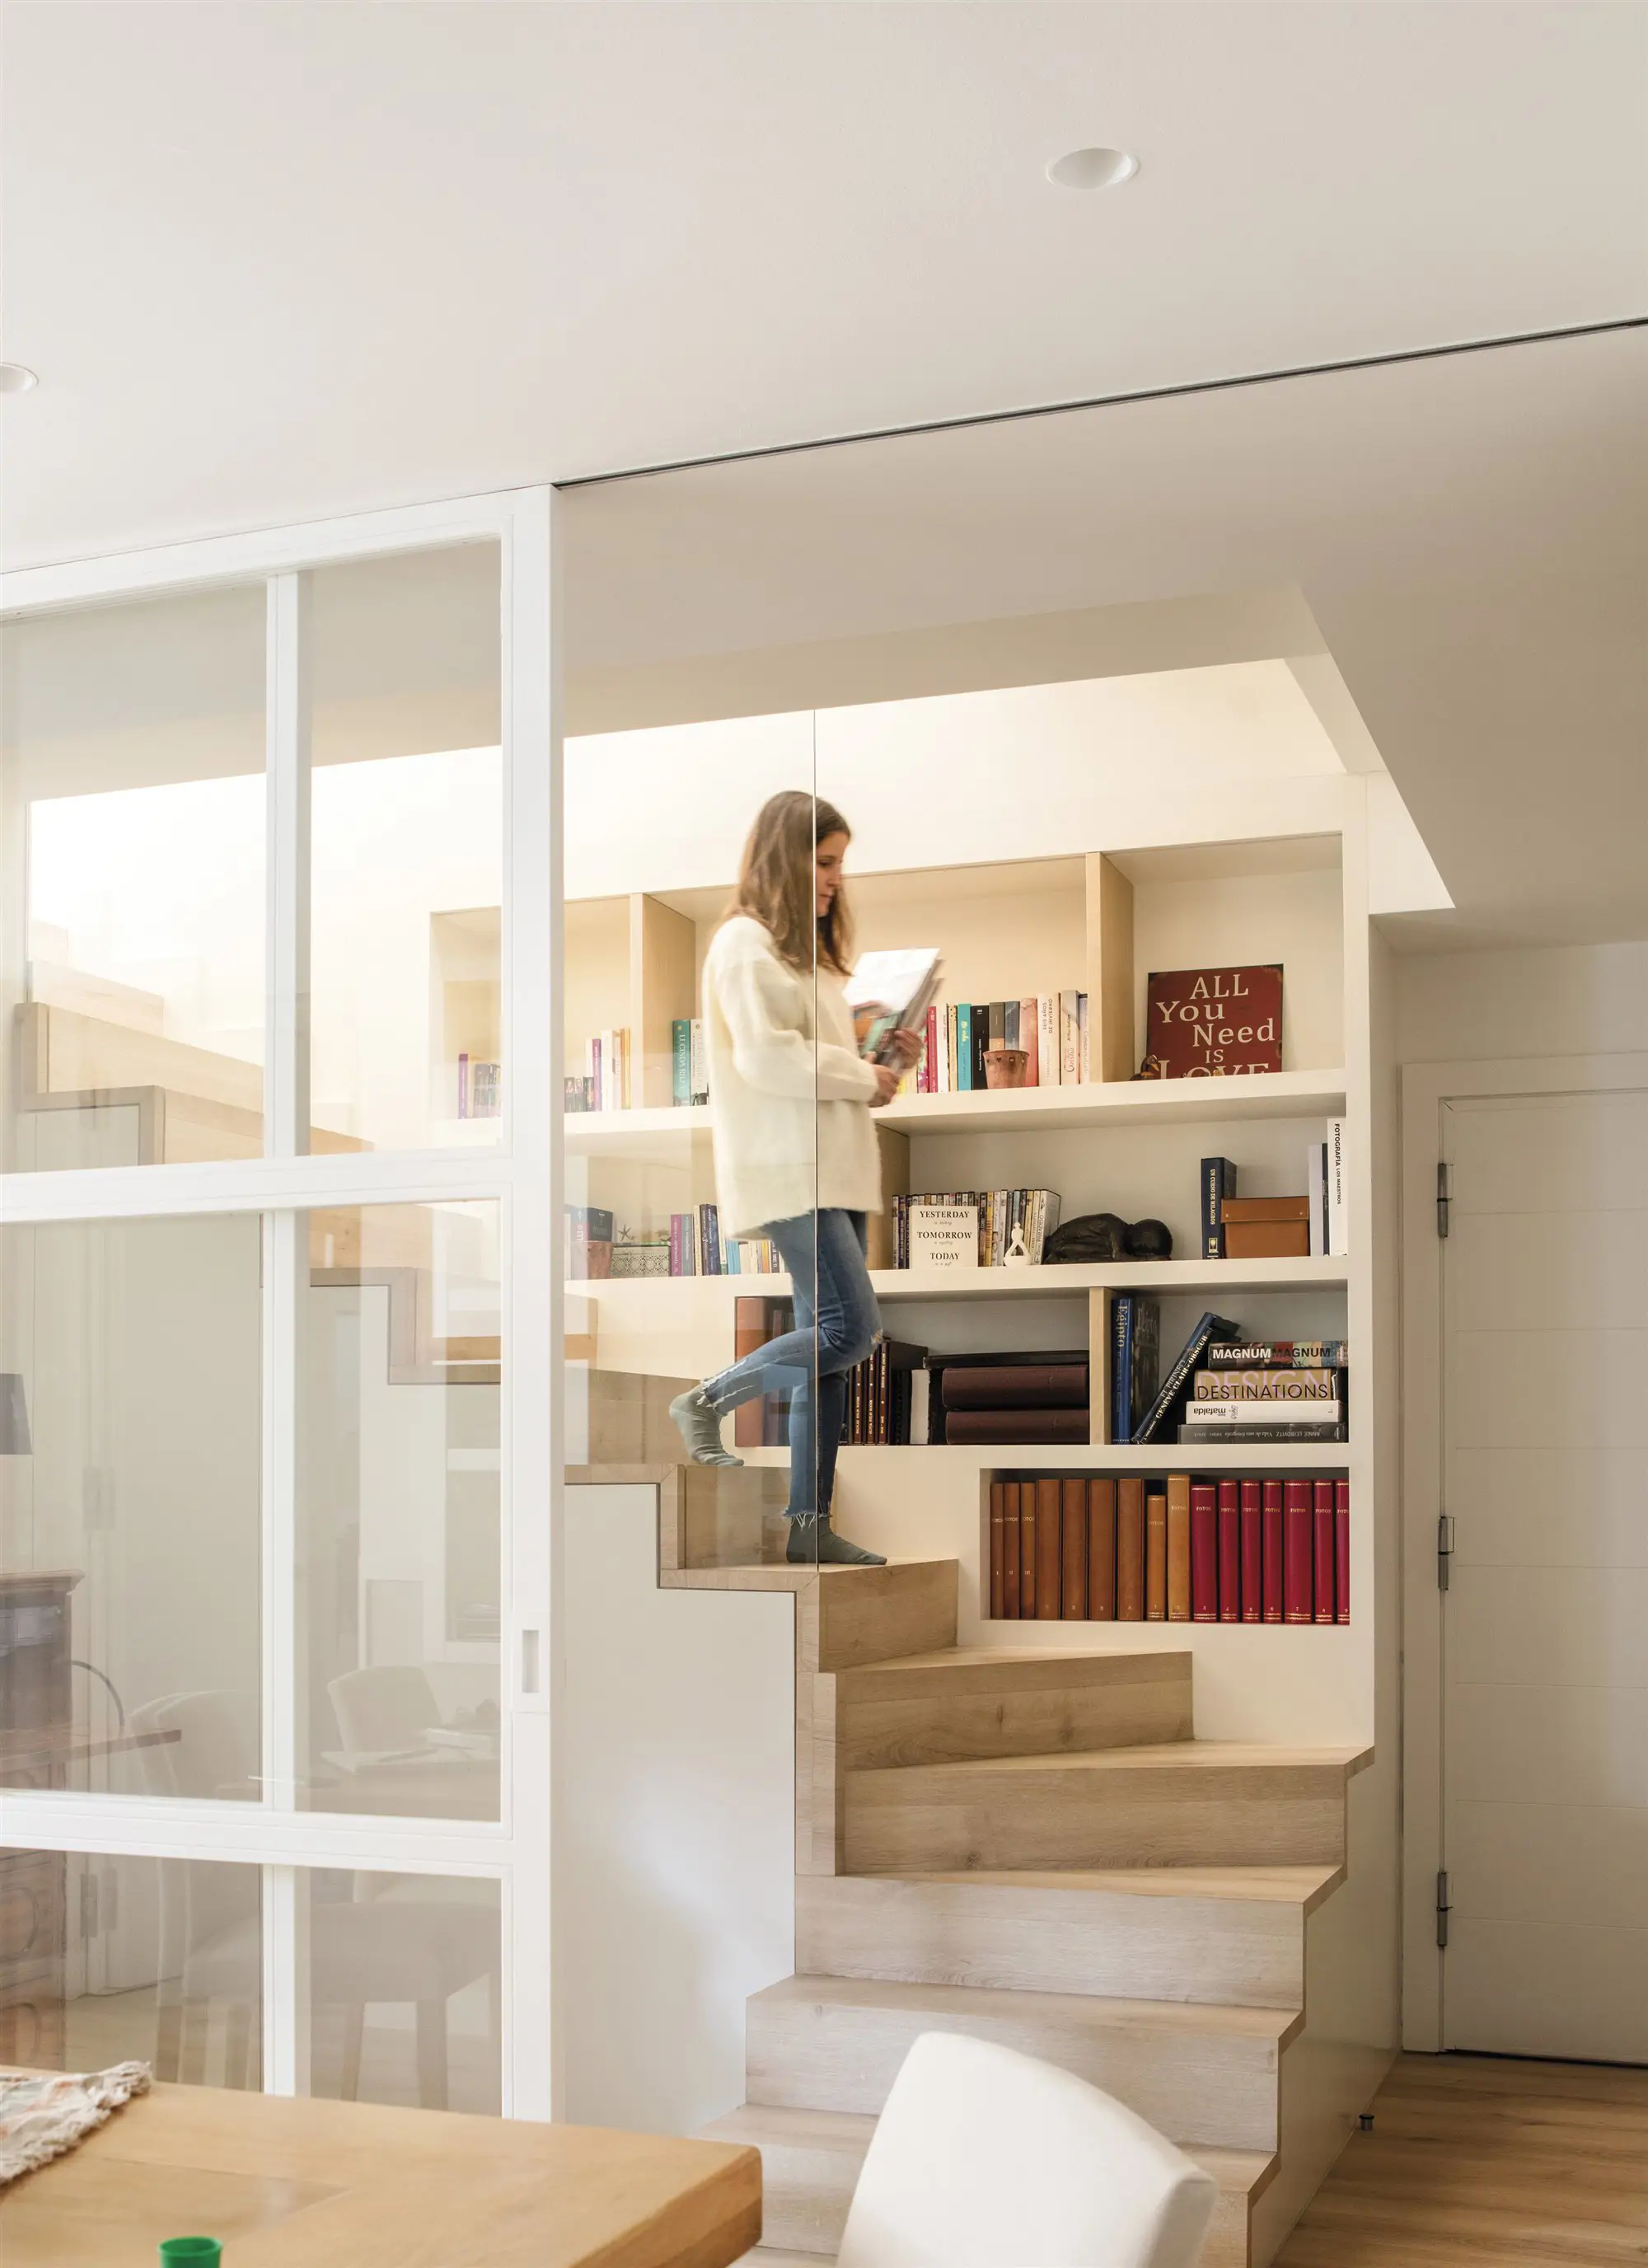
x: 291, y: 2183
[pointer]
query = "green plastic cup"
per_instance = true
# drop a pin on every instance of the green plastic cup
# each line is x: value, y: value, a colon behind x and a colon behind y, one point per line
x: 190, y: 2252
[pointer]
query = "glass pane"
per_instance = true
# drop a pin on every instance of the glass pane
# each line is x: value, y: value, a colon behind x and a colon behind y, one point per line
x: 130, y: 1485
x: 400, y: 1595
x: 405, y: 1988
x: 132, y: 832
x: 407, y: 840
x: 110, y: 1960
x: 673, y: 1273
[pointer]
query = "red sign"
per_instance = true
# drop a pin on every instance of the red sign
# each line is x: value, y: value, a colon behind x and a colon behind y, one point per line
x: 1213, y: 1023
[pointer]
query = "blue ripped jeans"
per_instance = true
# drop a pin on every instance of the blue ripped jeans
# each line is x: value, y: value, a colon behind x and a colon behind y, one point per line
x: 837, y: 1322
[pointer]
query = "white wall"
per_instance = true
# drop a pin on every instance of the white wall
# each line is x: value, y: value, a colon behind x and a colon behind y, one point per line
x: 674, y: 1876
x: 1540, y: 1000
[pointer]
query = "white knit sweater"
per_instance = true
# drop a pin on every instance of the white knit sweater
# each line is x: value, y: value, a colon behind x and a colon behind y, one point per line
x: 788, y: 1087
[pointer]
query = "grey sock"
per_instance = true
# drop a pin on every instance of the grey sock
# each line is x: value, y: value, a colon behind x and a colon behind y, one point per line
x: 814, y: 1541
x: 700, y: 1427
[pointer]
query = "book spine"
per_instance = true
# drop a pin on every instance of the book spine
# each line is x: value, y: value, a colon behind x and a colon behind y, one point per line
x: 1030, y: 1041
x: 1173, y: 1384
x: 1084, y: 1053
x: 700, y: 1061
x: 1342, y: 1552
x: 933, y: 1060
x: 1156, y: 1557
x: 710, y: 1236
x: 1271, y: 1550
x: 1323, y: 1549
x: 680, y: 1062
x: 1122, y: 1368
x: 1029, y: 1554
x: 1011, y: 1492
x: 1178, y: 1547
x: 1299, y: 1567
x: 674, y: 1244
x: 1101, y: 1549
x: 1292, y: 1384
x: 463, y: 1086
x: 1278, y: 1354
x: 1316, y: 1195
x: 1338, y: 1216
x: 1212, y: 1232
x: 1047, y: 1039
x: 1073, y: 1506
x: 1049, y: 1539
x: 1203, y: 1552
x: 964, y: 1046
x: 1070, y: 1040
x: 1252, y: 1553
x: 980, y: 1043
x: 998, y: 1527
x: 1130, y: 1550
x: 1230, y: 1551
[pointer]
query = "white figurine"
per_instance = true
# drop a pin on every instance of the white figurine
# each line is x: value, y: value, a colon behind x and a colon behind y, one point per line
x: 1015, y: 1256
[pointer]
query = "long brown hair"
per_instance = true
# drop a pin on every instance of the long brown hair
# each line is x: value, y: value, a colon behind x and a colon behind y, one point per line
x: 777, y: 885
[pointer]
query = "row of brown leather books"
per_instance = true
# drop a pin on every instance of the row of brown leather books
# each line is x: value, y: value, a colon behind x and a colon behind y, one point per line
x: 1091, y: 1548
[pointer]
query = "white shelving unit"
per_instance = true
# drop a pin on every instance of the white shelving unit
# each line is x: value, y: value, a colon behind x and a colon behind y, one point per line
x: 1103, y: 920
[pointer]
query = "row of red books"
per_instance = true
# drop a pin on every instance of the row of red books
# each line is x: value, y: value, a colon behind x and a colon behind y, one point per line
x: 1088, y: 1548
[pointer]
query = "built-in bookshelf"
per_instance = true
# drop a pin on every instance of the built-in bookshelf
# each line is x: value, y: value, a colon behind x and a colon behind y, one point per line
x: 1099, y: 921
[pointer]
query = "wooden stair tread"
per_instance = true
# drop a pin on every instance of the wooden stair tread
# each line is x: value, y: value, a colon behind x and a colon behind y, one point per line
x: 781, y: 1578
x: 1032, y: 1665
x: 1240, y: 2173
x: 1162, y: 1755
x: 1302, y: 1886
x: 1266, y: 2029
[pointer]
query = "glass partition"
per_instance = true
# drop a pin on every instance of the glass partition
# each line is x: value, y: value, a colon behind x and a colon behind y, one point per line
x: 400, y: 1370
x: 406, y: 879
x: 132, y: 815
x: 688, y: 1211
x: 130, y: 1496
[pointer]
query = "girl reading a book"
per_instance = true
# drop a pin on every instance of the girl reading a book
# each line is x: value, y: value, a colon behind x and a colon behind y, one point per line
x: 796, y: 1154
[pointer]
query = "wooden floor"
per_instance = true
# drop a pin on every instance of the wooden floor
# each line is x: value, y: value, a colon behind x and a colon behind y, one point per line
x: 1477, y: 2160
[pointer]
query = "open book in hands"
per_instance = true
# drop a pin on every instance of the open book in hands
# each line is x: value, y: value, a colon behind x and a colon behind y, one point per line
x: 889, y: 992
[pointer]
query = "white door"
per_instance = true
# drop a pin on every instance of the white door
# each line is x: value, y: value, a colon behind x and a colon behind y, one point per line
x: 1545, y: 1743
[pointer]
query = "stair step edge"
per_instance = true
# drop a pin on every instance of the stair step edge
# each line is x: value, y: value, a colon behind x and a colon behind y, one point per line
x: 1305, y: 1887
x: 1184, y: 1757
x: 1264, y: 2026
x: 1237, y: 2172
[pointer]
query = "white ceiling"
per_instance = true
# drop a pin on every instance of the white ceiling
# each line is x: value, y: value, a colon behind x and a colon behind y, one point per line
x: 279, y: 259
x: 1467, y: 537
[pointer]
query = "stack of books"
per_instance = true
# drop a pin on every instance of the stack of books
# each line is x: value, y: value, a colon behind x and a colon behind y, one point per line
x: 1051, y: 1028
x: 1073, y: 1548
x: 603, y: 1083
x: 480, y: 1087
x: 886, y: 1401
x: 1271, y: 1390
x: 1009, y: 1222
x: 1010, y: 1398
x: 689, y: 1069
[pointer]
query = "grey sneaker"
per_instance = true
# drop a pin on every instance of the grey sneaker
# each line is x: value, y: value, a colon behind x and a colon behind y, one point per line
x: 700, y: 1427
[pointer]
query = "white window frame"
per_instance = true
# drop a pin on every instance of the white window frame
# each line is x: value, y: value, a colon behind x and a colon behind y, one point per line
x: 522, y: 1173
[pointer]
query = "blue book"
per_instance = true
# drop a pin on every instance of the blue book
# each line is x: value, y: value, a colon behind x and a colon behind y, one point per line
x: 1219, y: 1181
x: 1174, y: 1387
x: 964, y: 1047
x: 1122, y: 1366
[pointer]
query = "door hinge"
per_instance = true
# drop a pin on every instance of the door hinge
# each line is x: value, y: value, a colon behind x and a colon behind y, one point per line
x: 1443, y: 1550
x: 1443, y: 1910
x: 1444, y: 1197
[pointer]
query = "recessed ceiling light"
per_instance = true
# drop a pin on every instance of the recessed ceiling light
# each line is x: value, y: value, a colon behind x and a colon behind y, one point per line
x: 15, y: 379
x: 1093, y: 169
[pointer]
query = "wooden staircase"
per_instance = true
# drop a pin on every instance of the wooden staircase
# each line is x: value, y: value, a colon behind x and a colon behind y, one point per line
x: 1034, y: 1848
